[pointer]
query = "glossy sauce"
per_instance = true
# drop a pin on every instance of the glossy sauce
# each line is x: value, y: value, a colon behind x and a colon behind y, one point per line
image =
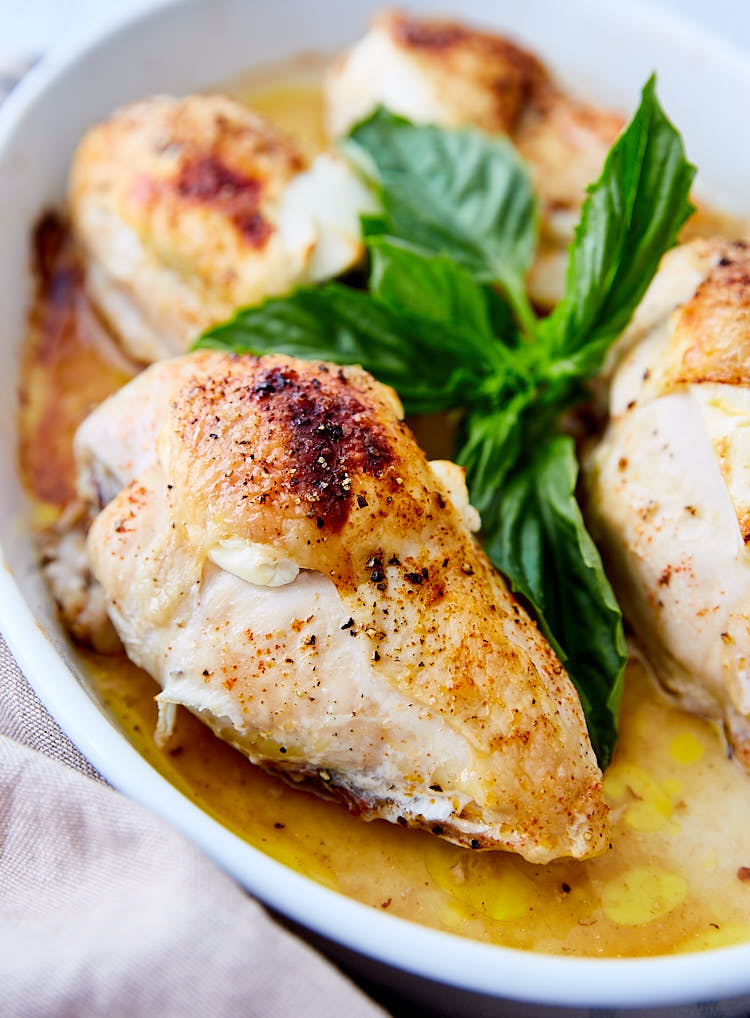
x: 673, y: 880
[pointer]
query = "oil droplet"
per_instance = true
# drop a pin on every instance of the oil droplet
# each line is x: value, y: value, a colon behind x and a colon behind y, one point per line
x: 491, y: 886
x: 643, y: 894
x: 453, y: 915
x: 673, y: 788
x: 509, y: 895
x: 685, y: 748
x: 651, y: 808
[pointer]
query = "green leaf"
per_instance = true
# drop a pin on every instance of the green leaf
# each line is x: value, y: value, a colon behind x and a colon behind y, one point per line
x: 538, y: 540
x: 372, y: 224
x: 492, y: 444
x: 408, y: 279
x: 632, y: 215
x: 453, y: 192
x: 432, y: 365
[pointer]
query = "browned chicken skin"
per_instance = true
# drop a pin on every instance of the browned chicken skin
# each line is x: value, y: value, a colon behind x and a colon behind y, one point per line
x: 188, y: 208
x: 441, y: 704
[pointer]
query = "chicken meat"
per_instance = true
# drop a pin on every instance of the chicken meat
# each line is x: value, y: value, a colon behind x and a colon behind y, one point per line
x: 275, y: 549
x: 187, y: 209
x: 669, y: 483
x: 444, y: 72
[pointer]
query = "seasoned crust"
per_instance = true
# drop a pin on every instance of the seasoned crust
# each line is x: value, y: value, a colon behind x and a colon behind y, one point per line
x: 484, y: 78
x: 176, y: 202
x: 711, y: 337
x: 162, y: 159
x: 431, y: 672
x: 189, y: 208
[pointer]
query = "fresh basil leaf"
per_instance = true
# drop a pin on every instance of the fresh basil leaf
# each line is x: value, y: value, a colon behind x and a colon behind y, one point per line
x: 492, y: 443
x: 435, y: 286
x: 372, y: 224
x: 455, y: 192
x: 539, y: 541
x: 501, y: 316
x: 632, y: 215
x: 432, y: 366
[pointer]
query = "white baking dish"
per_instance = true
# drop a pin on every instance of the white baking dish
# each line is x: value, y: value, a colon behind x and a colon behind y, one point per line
x: 600, y: 49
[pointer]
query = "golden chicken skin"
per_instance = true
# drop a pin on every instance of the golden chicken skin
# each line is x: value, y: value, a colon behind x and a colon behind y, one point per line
x: 444, y: 72
x: 669, y: 483
x: 188, y: 208
x: 286, y: 563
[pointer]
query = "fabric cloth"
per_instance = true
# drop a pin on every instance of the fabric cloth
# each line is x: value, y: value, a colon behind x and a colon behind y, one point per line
x: 106, y: 911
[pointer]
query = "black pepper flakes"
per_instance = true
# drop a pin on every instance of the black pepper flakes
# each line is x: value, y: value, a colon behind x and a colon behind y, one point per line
x: 375, y: 564
x: 348, y: 624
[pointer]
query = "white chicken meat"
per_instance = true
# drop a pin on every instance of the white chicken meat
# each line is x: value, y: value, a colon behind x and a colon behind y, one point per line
x: 187, y: 209
x: 669, y: 484
x: 283, y: 560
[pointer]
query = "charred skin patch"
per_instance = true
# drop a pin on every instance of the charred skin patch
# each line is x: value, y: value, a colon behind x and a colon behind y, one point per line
x: 511, y: 74
x: 713, y: 329
x: 332, y: 438
x: 432, y: 35
x: 210, y: 182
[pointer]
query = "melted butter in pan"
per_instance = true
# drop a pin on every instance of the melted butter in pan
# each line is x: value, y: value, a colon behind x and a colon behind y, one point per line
x: 669, y: 884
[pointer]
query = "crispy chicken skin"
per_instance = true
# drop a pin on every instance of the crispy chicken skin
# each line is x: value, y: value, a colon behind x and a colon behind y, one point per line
x: 669, y: 484
x: 189, y: 208
x: 444, y: 72
x: 285, y: 562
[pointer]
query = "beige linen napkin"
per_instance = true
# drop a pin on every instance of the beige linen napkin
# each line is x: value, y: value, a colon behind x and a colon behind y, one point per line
x: 105, y: 910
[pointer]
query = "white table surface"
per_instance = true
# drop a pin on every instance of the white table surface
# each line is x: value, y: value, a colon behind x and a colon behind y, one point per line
x: 28, y: 27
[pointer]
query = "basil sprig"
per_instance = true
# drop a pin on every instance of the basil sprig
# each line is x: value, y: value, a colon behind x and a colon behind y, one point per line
x: 447, y: 323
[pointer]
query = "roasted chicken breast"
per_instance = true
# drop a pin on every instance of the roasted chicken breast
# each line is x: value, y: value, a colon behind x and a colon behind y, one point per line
x: 444, y: 72
x: 188, y: 208
x: 669, y: 484
x: 285, y: 562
